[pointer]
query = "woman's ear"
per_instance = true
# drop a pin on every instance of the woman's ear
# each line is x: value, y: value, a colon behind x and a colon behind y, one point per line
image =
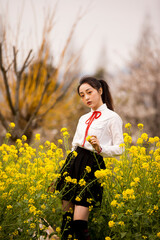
x: 100, y: 91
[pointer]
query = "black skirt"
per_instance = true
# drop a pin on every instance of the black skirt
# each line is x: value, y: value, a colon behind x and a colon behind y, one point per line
x: 77, y: 182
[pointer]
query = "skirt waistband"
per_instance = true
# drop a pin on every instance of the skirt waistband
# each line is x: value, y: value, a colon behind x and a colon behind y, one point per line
x: 80, y: 149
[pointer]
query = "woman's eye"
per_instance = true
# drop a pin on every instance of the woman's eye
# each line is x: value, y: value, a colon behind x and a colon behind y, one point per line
x: 81, y: 96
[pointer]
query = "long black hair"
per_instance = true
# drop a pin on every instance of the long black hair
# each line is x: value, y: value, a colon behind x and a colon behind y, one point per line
x: 97, y: 84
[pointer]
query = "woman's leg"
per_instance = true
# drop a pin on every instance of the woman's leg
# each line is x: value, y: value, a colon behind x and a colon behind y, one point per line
x: 67, y: 223
x: 81, y: 213
x: 80, y: 222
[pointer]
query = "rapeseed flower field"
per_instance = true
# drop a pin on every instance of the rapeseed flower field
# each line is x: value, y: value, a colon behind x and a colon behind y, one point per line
x: 131, y: 200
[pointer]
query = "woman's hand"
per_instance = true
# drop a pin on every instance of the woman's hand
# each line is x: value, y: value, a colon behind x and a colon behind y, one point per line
x: 95, y: 143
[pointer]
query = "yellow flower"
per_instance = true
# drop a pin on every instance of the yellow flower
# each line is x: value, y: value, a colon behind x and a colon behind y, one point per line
x: 47, y: 143
x: 68, y: 179
x: 158, y: 144
x: 19, y: 143
x: 145, y: 165
x: 88, y: 138
x: 68, y: 152
x: 89, y: 200
x: 139, y: 141
x: 144, y: 237
x: 129, y: 191
x: 158, y: 234
x: 74, y: 180
x: 114, y: 203
x: 157, y: 158
x: 129, y: 212
x: 117, y: 196
x: 43, y: 206
x: 128, y: 194
x: 121, y: 223
x: 9, y: 207
x: 37, y: 137
x: 88, y: 169
x: 128, y: 139
x: 32, y: 225
x: 151, y: 140
x: 156, y: 139
x: 137, y: 179
x: 155, y: 207
x: 90, y: 208
x: 65, y: 173
x: 128, y: 125
x: 122, y: 145
x: 24, y: 138
x: 32, y: 209
x: 144, y: 136
x: 132, y: 184
x: 12, y: 125
x: 82, y: 182
x: 65, y: 134
x: 70, y: 210
x: 53, y: 146
x: 69, y: 236
x: 107, y: 238
x: 140, y: 126
x: 60, y: 141
x: 150, y: 211
x: 100, y: 173
x: 61, y: 163
x: 43, y: 196
x: 111, y: 224
x: 63, y: 129
x: 8, y: 135
x: 78, y: 199
x: 75, y: 153
x: 31, y: 201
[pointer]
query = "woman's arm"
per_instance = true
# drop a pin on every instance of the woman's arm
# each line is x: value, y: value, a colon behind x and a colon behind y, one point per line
x: 116, y: 134
x: 117, y: 138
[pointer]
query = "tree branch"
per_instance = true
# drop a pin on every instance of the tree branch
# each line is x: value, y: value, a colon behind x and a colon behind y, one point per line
x: 38, y: 106
x: 18, y: 77
x: 26, y: 62
x: 57, y: 100
x: 17, y: 88
x: 4, y: 122
x: 4, y: 73
x: 15, y: 59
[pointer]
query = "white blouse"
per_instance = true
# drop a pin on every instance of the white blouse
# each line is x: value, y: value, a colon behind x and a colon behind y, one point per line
x: 107, y: 128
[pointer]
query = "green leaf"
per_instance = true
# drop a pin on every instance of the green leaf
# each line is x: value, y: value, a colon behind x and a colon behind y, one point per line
x: 123, y: 234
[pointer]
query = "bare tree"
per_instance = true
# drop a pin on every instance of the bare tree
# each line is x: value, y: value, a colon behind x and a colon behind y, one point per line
x: 140, y: 84
x: 31, y: 90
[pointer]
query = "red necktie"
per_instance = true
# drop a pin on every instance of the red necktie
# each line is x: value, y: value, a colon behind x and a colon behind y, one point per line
x: 95, y: 115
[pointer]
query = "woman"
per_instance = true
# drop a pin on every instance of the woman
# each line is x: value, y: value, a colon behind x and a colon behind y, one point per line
x: 103, y: 129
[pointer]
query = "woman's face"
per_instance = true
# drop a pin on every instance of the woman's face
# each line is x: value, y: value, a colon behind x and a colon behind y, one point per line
x: 90, y: 96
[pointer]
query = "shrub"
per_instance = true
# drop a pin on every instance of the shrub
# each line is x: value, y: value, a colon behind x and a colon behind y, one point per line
x: 131, y: 198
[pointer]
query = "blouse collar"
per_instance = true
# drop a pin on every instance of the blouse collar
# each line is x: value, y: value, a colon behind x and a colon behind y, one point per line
x: 101, y: 108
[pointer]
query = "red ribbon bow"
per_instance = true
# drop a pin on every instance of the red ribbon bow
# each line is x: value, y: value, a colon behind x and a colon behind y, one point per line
x: 95, y: 115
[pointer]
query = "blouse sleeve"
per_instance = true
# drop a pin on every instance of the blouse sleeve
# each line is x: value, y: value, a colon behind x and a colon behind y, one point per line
x: 116, y: 132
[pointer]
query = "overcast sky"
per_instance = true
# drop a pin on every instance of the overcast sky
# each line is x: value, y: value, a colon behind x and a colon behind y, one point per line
x: 111, y: 25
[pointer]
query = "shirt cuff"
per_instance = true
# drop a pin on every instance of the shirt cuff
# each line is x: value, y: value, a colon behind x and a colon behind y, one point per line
x: 99, y: 150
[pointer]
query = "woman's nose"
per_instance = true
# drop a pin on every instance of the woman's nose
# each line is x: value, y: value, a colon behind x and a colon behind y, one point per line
x: 86, y: 97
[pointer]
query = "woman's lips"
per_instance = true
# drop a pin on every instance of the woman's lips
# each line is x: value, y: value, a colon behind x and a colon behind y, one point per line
x: 89, y: 103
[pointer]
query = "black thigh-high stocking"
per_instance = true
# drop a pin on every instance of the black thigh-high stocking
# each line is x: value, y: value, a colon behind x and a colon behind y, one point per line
x: 81, y: 230
x: 67, y: 226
